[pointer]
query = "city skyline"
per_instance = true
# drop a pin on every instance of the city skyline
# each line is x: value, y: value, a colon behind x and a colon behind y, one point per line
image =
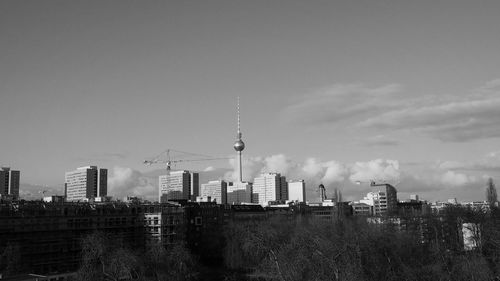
x: 330, y: 92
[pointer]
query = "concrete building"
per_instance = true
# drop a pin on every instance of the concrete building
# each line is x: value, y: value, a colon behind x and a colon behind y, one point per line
x: 49, y: 235
x: 239, y: 192
x: 362, y: 209
x: 9, y: 183
x: 217, y: 190
x: 86, y: 183
x: 179, y: 185
x: 164, y: 224
x: 383, y: 201
x: 270, y: 187
x: 297, y: 191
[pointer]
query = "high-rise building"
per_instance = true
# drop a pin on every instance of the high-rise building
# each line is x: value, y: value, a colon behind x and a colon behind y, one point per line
x: 239, y: 192
x: 179, y: 185
x: 270, y: 187
x: 194, y: 186
x: 283, y: 189
x: 383, y: 201
x: 86, y: 182
x: 297, y: 191
x: 9, y: 182
x: 217, y: 190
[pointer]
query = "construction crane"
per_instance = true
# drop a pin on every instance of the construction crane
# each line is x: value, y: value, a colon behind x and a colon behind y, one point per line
x: 375, y: 182
x: 166, y: 158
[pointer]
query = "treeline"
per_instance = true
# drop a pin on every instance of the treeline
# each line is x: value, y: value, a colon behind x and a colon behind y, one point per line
x: 105, y: 258
x: 413, y: 248
x: 353, y: 249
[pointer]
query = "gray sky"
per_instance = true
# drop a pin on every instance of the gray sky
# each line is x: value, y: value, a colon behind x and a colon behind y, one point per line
x: 346, y: 82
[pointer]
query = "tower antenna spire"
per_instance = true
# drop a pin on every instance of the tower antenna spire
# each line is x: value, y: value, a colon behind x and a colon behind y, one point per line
x: 239, y: 131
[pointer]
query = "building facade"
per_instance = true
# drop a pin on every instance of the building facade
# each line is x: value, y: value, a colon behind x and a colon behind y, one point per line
x: 217, y: 190
x: 164, y: 224
x: 239, y: 192
x: 9, y: 183
x: 362, y: 209
x: 48, y: 235
x: 86, y: 183
x: 384, y: 201
x: 179, y: 185
x: 297, y: 191
x: 270, y: 187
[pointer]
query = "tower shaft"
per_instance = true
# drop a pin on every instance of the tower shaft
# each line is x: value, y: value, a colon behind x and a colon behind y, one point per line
x: 240, y: 172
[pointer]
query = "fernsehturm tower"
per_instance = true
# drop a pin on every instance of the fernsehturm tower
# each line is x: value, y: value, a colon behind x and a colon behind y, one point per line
x: 239, y: 145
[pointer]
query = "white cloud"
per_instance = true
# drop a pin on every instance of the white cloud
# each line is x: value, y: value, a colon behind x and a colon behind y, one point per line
x: 277, y: 163
x: 379, y: 169
x: 311, y: 170
x: 490, y: 162
x: 455, y: 179
x: 335, y: 172
x: 312, y: 167
x: 209, y: 169
x: 124, y: 181
x: 252, y: 166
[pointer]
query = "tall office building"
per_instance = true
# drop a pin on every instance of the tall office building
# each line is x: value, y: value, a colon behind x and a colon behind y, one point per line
x: 86, y: 182
x: 179, y: 185
x: 269, y: 187
x: 297, y: 191
x: 239, y: 192
x: 383, y: 201
x: 194, y: 186
x: 9, y: 182
x: 217, y: 190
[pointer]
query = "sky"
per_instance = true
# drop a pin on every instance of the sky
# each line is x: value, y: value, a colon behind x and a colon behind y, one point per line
x: 332, y: 92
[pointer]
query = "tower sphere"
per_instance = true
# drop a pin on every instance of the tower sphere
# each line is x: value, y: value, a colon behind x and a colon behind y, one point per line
x: 239, y: 145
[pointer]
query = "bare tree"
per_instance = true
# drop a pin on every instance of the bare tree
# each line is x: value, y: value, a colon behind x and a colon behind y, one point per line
x: 10, y: 259
x: 104, y: 259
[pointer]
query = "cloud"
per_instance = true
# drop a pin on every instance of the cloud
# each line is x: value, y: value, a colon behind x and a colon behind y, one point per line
x: 379, y: 169
x: 341, y: 102
x: 490, y: 162
x: 252, y: 166
x: 335, y: 172
x: 311, y: 168
x: 433, y: 178
x: 124, y: 181
x: 455, y: 179
x: 277, y: 163
x: 209, y: 169
x: 453, y: 119
x: 441, y: 175
x: 457, y: 117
